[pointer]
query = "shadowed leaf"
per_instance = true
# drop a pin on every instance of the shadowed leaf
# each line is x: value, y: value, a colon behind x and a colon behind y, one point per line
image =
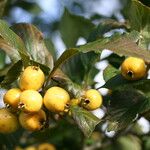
x: 34, y: 43
x: 85, y: 120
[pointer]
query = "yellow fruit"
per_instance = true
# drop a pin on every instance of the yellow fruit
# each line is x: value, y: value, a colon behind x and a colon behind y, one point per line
x: 30, y: 101
x: 11, y: 97
x: 133, y: 68
x: 32, y: 78
x: 92, y: 100
x: 74, y: 102
x: 55, y: 99
x: 8, y: 121
x: 46, y: 146
x: 32, y: 121
x: 30, y: 148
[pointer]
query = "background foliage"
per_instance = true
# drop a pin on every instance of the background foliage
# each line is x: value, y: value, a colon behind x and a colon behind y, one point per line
x: 32, y: 43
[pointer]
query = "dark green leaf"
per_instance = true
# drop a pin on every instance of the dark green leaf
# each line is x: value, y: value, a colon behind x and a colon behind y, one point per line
x: 124, y: 106
x: 2, y: 59
x: 44, y: 68
x: 2, y: 6
x: 110, y: 72
x: 106, y: 26
x: 72, y: 27
x: 50, y: 46
x: 34, y: 43
x: 13, y: 74
x: 115, y: 82
x: 114, y: 60
x: 29, y: 6
x: 66, y: 55
x: 81, y: 68
x: 14, y: 43
x: 146, y: 142
x: 84, y: 119
x: 127, y: 101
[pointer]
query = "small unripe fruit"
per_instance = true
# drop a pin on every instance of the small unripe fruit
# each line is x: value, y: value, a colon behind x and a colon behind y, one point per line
x: 30, y: 101
x: 11, y: 97
x: 8, y: 121
x: 46, y: 146
x: 32, y: 121
x: 92, y: 99
x: 133, y: 68
x: 55, y: 99
x: 32, y: 78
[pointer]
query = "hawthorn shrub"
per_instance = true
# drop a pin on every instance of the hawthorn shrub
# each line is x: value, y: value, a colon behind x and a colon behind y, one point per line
x: 49, y: 102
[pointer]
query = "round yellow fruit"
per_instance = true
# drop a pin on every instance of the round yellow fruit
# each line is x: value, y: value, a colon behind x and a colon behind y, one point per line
x: 133, y: 68
x: 55, y: 99
x: 32, y: 121
x: 92, y: 99
x: 46, y: 146
x: 8, y: 121
x: 32, y: 78
x: 30, y: 101
x: 11, y: 97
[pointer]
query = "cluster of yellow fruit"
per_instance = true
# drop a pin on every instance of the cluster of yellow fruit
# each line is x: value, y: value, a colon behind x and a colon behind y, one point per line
x: 43, y: 146
x: 28, y: 102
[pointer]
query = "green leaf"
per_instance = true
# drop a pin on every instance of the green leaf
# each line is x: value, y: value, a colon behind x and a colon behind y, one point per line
x: 14, y: 43
x: 110, y: 72
x: 125, y: 104
x: 60, y: 77
x: 81, y: 68
x: 106, y: 26
x: 139, y: 17
x: 31, y: 7
x: 114, y: 60
x: 50, y: 46
x: 123, y: 45
x: 115, y: 82
x: 72, y: 27
x: 44, y: 68
x: 127, y: 101
x: 129, y: 142
x: 13, y: 74
x: 146, y: 142
x: 34, y: 43
x: 66, y: 55
x: 2, y: 59
x: 84, y: 119
x: 2, y: 6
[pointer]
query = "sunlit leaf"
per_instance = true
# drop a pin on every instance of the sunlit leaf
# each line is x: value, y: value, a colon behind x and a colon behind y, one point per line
x: 110, y: 72
x: 14, y: 44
